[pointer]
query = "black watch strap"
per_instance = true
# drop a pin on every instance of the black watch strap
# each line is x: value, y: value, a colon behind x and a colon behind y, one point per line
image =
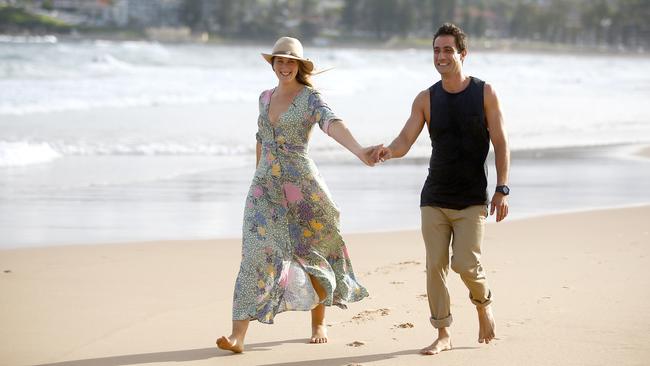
x: 504, y: 190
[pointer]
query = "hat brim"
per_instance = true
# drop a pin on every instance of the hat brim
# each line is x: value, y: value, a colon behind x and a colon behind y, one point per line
x: 308, y: 64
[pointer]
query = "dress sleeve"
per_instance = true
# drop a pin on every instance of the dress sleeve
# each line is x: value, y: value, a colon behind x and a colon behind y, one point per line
x: 262, y: 102
x: 320, y: 112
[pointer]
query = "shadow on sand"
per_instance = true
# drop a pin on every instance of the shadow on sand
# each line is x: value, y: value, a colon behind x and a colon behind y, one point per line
x: 213, y: 352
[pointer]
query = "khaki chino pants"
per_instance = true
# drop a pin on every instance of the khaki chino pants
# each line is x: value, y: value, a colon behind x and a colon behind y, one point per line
x: 463, y: 229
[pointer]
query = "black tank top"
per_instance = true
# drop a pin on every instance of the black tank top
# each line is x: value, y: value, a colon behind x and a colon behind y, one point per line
x: 460, y: 143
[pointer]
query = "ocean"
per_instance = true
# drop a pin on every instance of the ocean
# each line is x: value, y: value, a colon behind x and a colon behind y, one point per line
x: 107, y: 141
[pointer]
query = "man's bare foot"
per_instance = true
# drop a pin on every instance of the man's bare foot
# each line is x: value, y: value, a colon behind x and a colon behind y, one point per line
x: 230, y: 344
x: 485, y: 324
x: 443, y: 343
x: 318, y: 334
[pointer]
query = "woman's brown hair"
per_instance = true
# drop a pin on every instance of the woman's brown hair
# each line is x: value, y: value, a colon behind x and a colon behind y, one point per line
x: 304, y: 76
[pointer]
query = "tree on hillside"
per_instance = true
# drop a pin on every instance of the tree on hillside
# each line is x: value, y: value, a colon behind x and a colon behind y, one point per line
x: 309, y: 27
x: 443, y: 11
x: 191, y: 14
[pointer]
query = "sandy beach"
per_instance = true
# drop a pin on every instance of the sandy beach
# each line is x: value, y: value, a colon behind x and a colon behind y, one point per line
x: 644, y: 152
x: 569, y: 290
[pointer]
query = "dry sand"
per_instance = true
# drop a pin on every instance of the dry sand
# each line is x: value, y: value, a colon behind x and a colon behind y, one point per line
x: 644, y: 152
x: 570, y: 289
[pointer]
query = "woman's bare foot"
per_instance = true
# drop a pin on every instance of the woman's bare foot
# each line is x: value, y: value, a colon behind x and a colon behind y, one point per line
x: 235, y: 342
x: 439, y: 345
x: 230, y: 344
x: 485, y: 324
x: 318, y: 334
x: 318, y: 327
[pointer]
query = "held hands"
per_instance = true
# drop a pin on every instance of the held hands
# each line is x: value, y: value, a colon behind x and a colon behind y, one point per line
x: 382, y: 154
x: 499, y: 204
x: 366, y: 154
x: 374, y: 154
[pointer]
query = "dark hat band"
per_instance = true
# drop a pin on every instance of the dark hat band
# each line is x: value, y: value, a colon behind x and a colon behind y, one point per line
x: 285, y: 53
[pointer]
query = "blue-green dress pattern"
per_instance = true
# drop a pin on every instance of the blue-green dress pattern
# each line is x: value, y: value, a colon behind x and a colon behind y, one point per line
x: 291, y: 223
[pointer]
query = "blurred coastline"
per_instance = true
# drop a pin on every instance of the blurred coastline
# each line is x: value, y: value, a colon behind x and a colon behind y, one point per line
x: 544, y: 25
x: 507, y: 45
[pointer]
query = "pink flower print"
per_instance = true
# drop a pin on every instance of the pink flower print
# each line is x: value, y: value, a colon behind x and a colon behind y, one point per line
x: 284, y: 277
x: 292, y: 192
x: 257, y: 192
x: 326, y: 126
x: 266, y: 96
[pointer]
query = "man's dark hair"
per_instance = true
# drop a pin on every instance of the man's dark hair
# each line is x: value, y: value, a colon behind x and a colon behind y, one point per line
x: 449, y: 29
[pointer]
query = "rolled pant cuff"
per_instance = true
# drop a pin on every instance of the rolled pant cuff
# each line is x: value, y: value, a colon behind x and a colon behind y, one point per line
x: 441, y: 323
x: 484, y: 303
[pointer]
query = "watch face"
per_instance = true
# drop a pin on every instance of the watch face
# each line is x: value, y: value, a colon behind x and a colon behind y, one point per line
x: 503, y: 189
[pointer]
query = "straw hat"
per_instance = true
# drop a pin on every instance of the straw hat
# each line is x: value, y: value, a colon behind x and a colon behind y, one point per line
x: 290, y: 48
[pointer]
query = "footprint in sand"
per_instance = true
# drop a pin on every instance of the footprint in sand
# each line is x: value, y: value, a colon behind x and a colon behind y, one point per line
x: 404, y: 325
x: 516, y: 323
x: 389, y: 268
x: 422, y: 296
x: 408, y: 262
x: 370, y: 314
x: 356, y: 344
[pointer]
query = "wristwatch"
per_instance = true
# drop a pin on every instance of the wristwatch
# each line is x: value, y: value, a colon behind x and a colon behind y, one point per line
x: 504, y: 190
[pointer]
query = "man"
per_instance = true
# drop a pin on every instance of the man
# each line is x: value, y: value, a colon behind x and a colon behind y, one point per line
x: 462, y: 114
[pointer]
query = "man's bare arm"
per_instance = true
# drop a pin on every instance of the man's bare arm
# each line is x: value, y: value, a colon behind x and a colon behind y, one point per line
x: 411, y: 130
x: 499, y: 140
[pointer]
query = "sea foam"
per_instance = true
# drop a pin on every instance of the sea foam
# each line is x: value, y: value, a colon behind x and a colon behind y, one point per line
x: 25, y: 153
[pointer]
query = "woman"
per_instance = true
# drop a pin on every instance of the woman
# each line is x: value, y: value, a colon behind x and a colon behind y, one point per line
x: 293, y: 256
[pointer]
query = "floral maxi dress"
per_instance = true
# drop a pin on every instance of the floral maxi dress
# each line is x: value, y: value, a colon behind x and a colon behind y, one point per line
x: 291, y: 224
